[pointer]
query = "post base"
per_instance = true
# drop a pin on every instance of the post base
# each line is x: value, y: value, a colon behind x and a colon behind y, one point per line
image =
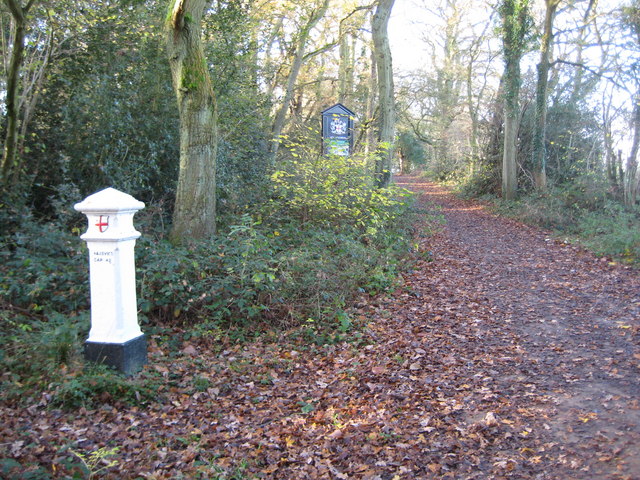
x: 128, y: 357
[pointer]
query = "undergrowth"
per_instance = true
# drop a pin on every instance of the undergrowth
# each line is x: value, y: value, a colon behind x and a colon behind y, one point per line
x: 323, y: 237
x: 43, y: 355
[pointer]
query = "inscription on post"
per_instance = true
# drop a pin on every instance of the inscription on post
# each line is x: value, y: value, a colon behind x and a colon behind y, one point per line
x: 102, y: 257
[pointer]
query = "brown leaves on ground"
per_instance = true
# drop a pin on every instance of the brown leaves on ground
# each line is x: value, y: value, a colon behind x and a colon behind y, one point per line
x: 510, y: 355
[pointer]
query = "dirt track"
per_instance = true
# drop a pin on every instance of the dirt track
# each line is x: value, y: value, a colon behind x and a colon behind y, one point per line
x: 575, y: 320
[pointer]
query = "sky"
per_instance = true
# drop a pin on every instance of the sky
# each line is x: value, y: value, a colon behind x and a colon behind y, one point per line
x: 405, y: 35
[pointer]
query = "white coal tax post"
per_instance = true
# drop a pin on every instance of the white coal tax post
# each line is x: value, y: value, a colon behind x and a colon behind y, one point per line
x: 115, y: 337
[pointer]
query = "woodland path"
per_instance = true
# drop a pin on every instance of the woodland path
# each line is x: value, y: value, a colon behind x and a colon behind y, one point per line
x: 504, y: 354
x: 570, y: 320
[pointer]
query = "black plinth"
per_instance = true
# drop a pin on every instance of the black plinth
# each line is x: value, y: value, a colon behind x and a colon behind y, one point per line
x: 128, y: 357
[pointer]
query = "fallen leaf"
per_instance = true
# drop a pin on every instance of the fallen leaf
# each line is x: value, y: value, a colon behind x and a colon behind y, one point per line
x: 190, y: 350
x: 490, y: 419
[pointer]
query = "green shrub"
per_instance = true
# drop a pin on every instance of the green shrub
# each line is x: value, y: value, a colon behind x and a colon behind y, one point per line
x: 259, y: 273
x: 333, y: 192
x: 10, y: 468
x: 43, y: 267
x: 588, y: 191
x: 34, y: 351
x: 545, y: 210
x: 325, y: 235
x: 44, y: 355
x: 484, y: 181
x: 322, y: 273
x: 613, y: 232
x: 225, y: 278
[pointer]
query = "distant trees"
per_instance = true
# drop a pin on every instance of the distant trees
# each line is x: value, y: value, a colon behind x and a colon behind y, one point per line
x: 631, y: 19
x: 444, y: 101
x: 565, y: 92
x: 296, y: 55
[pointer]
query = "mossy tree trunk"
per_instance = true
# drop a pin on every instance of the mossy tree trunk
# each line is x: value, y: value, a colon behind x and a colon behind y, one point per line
x: 386, y: 100
x: 539, y: 133
x: 194, y: 215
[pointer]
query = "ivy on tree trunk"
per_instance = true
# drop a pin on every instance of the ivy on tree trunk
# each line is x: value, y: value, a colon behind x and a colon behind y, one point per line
x: 539, y: 133
x: 516, y: 28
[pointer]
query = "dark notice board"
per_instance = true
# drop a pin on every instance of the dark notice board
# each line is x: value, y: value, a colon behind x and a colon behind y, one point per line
x: 337, y: 130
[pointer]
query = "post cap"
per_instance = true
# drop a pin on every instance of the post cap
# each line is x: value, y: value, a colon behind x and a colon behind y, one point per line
x: 109, y: 200
x: 110, y: 215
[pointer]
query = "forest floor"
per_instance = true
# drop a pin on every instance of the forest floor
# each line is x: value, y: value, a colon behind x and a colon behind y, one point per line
x: 504, y: 354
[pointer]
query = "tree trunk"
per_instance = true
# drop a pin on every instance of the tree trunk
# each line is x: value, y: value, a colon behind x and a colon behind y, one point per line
x: 9, y: 160
x: 194, y: 215
x: 619, y: 167
x: 343, y: 66
x: 509, y: 155
x: 511, y: 121
x: 31, y: 91
x: 631, y: 174
x: 372, y: 95
x: 473, y: 117
x: 539, y: 133
x: 516, y: 23
x: 473, y: 104
x: 610, y: 154
x: 382, y: 52
x: 345, y: 74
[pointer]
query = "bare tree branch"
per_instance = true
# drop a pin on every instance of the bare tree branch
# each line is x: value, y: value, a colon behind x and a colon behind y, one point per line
x: 590, y: 70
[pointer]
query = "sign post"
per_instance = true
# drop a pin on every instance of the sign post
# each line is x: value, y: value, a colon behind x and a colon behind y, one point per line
x: 337, y: 130
x: 115, y: 338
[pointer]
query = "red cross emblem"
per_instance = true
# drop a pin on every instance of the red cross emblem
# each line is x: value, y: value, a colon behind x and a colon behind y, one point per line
x: 103, y: 223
